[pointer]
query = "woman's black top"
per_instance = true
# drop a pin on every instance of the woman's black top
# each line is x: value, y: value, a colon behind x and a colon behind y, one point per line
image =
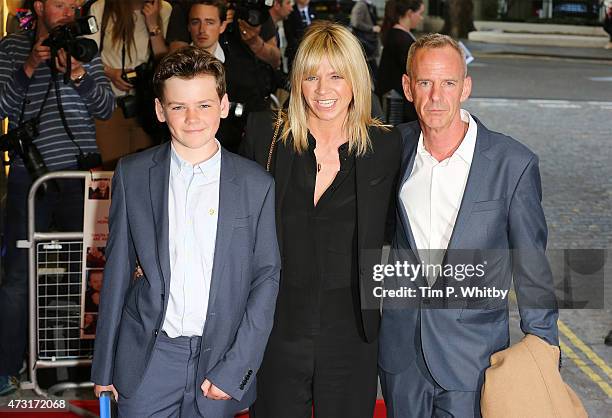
x: 319, y: 257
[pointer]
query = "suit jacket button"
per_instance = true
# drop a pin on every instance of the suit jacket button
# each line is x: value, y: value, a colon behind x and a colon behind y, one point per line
x: 155, y: 332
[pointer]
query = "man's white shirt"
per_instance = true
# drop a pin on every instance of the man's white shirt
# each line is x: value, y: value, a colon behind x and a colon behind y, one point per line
x: 306, y: 12
x: 433, y: 193
x: 219, y: 53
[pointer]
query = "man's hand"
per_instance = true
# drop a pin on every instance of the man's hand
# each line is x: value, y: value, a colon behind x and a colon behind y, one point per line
x: 212, y: 392
x: 248, y: 33
x: 376, y: 29
x: 98, y: 389
x: 76, y: 67
x: 114, y: 74
x: 38, y: 55
x: 229, y: 16
x: 151, y: 13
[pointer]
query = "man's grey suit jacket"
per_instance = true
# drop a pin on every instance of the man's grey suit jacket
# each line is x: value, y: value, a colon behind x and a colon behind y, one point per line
x: 244, y: 283
x: 501, y: 210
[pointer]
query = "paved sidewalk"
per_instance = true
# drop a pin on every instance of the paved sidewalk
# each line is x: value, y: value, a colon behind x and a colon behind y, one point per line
x: 482, y: 48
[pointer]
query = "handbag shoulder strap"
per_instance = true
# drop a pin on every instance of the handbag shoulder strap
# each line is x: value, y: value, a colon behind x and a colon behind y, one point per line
x: 104, y: 24
x: 277, y: 124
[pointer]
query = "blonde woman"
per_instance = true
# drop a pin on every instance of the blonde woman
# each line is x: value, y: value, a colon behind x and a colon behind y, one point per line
x: 335, y: 167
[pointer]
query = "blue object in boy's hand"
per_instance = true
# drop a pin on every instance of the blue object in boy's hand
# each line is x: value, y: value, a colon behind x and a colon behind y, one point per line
x: 106, y: 407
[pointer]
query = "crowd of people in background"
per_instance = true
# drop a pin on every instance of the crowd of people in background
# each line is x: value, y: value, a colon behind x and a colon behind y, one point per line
x: 316, y: 339
x: 134, y: 35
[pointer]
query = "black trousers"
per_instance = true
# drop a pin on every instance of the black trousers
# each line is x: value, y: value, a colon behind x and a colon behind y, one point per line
x: 333, y: 373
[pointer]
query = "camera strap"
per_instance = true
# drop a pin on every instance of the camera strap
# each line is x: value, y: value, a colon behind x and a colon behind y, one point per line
x: 105, y: 17
x: 25, y: 97
x: 60, y: 108
x: 151, y: 55
x: 123, y: 57
x: 42, y: 106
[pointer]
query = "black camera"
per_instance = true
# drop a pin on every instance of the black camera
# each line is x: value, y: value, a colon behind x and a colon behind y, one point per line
x: 129, y: 105
x: 20, y: 141
x: 130, y: 76
x: 67, y: 37
x: 140, y: 77
x: 88, y: 161
x: 254, y: 12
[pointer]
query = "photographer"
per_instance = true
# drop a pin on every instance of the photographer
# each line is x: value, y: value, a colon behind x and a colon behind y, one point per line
x: 66, y: 139
x: 280, y: 11
x: 250, y: 56
x: 260, y: 38
x: 296, y: 24
x: 131, y: 39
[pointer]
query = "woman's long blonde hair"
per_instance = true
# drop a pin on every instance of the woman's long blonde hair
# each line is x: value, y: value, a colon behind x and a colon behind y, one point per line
x: 345, y: 54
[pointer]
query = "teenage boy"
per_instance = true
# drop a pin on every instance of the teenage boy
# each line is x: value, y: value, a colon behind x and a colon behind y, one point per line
x: 192, y: 267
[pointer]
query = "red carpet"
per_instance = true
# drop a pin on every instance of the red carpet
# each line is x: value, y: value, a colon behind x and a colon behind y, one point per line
x: 92, y: 406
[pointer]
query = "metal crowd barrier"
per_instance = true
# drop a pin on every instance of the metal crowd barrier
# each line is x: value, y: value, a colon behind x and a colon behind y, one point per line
x: 55, y: 285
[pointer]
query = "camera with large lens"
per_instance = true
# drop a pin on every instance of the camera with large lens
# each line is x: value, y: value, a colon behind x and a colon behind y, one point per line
x: 69, y: 38
x: 20, y: 141
x: 254, y: 12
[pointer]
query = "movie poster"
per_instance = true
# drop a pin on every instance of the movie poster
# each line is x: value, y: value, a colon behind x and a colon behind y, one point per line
x: 95, y: 234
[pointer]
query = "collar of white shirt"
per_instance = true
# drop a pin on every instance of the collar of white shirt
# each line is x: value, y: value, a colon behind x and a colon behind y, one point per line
x: 209, y: 168
x: 219, y: 53
x: 466, y: 149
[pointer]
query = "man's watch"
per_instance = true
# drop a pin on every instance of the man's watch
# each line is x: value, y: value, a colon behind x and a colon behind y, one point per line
x: 156, y: 30
x: 80, y: 78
